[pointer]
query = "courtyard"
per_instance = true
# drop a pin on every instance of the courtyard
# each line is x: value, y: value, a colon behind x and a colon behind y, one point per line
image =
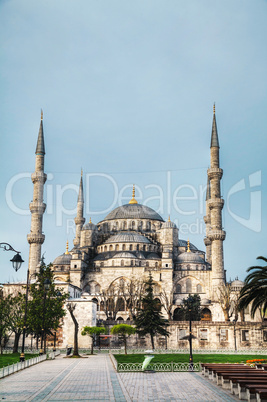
x: 95, y: 379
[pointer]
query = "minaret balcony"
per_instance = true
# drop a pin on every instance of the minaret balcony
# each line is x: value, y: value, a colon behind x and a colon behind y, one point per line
x: 35, y: 238
x: 207, y: 241
x: 39, y: 177
x: 37, y: 207
x: 215, y: 234
x: 214, y: 173
x: 206, y: 219
x: 216, y: 203
x: 79, y: 221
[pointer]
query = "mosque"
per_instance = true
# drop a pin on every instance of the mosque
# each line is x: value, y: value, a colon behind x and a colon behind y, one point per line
x: 132, y: 241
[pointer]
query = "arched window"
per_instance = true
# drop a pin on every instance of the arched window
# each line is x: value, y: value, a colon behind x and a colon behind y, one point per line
x: 147, y: 264
x: 124, y: 225
x: 117, y: 225
x: 156, y: 264
x: 122, y: 263
x: 188, y: 267
x: 120, y: 304
x: 131, y: 247
x: 178, y: 288
x: 137, y: 247
x: 133, y: 224
x: 105, y: 248
x: 139, y: 264
x: 110, y: 248
x: 197, y: 267
x: 123, y: 247
x: 199, y: 288
x: 113, y: 263
x: 97, y: 288
x: 101, y: 264
x: 120, y: 319
x: 117, y: 247
x: 206, y: 314
x: 144, y: 247
x: 102, y: 306
x: 188, y: 286
x: 97, y: 304
x: 178, y: 315
x: 132, y: 263
x: 62, y: 268
x: 110, y: 304
x: 87, y: 288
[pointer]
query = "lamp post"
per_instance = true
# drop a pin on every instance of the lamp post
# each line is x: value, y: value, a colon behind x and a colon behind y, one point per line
x: 59, y: 294
x: 16, y: 263
x: 191, y: 364
x: 16, y: 260
x: 47, y: 284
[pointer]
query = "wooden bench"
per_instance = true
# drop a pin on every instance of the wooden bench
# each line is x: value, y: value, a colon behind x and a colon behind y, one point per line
x: 256, y: 392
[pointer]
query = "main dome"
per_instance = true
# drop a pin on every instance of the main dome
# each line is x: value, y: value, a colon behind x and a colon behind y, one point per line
x: 127, y: 237
x: 133, y: 211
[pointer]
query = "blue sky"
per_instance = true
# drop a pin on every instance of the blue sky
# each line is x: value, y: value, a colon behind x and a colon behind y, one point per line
x: 127, y: 90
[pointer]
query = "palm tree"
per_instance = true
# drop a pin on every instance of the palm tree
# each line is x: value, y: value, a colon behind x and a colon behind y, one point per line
x: 255, y: 289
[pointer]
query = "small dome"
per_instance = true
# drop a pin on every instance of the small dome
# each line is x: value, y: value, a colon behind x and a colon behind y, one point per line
x: 127, y: 237
x: 133, y: 211
x: 89, y: 226
x: 124, y: 254
x: 190, y: 257
x: 237, y: 284
x: 63, y: 259
x: 183, y: 243
x: 169, y: 224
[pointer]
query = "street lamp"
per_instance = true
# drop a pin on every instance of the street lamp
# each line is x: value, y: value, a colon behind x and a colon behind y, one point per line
x: 16, y: 260
x: 191, y: 364
x: 59, y: 294
x: 47, y: 284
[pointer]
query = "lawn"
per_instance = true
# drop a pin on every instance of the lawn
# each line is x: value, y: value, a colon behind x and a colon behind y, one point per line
x: 10, y: 358
x: 181, y: 358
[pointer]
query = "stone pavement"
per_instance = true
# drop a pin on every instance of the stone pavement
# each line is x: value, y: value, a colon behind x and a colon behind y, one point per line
x: 94, y: 379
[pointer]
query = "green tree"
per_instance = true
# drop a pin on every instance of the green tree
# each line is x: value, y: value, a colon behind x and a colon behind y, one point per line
x: 45, y: 307
x: 15, y: 308
x: 4, y: 329
x: 93, y: 332
x: 149, y: 319
x: 255, y: 289
x: 191, y: 303
x: 124, y: 331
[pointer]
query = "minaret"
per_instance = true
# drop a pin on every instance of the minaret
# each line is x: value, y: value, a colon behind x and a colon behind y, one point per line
x: 37, y: 207
x: 215, y: 203
x: 207, y: 222
x: 79, y: 220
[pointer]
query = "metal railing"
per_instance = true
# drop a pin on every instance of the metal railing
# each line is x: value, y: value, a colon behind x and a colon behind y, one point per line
x: 159, y: 367
x: 261, y: 351
x: 13, y: 368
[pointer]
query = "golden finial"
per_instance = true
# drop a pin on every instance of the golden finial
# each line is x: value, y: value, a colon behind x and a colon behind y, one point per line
x: 67, y: 248
x: 188, y: 246
x: 42, y: 114
x: 169, y: 219
x: 214, y: 108
x: 90, y: 220
x: 133, y: 200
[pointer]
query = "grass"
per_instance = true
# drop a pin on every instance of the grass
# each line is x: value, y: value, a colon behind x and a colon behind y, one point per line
x: 11, y: 358
x: 181, y: 358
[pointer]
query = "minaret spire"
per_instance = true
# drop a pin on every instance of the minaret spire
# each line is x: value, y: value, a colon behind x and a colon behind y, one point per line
x: 133, y: 200
x: 79, y: 220
x: 37, y: 207
x: 215, y: 205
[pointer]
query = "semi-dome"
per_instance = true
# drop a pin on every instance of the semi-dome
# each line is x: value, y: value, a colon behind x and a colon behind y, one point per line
x: 133, y: 211
x: 124, y: 254
x: 153, y: 256
x: 127, y: 237
x: 190, y: 257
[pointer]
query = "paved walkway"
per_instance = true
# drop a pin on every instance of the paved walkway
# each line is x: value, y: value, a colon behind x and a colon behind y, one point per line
x: 94, y: 379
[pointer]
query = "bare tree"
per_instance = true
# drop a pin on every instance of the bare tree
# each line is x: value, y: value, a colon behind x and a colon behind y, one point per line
x: 167, y: 301
x: 228, y: 299
x: 132, y: 291
x: 71, y: 307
